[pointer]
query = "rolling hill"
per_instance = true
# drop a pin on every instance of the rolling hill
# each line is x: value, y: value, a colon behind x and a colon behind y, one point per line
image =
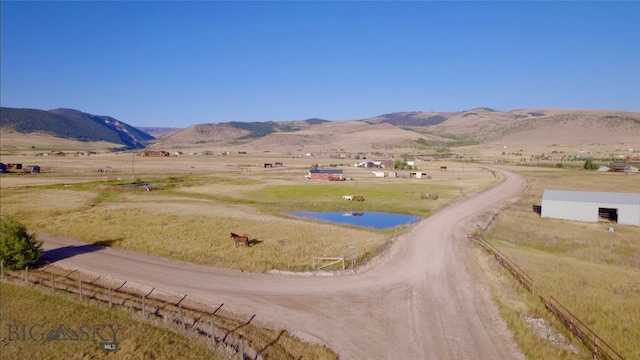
x: 418, y: 130
x: 402, y: 131
x: 72, y: 125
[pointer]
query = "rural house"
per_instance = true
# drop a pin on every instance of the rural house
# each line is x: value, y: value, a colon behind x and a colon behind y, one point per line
x: 591, y: 206
x: 326, y: 174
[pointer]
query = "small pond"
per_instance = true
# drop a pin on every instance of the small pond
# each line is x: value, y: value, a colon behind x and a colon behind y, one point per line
x: 369, y: 219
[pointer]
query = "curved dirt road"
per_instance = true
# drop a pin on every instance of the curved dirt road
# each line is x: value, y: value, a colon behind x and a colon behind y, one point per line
x: 422, y: 299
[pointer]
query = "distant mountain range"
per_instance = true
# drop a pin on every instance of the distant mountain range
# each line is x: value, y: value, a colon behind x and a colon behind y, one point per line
x: 73, y: 124
x: 389, y: 131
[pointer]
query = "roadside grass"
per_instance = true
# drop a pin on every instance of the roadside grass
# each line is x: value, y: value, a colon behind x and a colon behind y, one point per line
x: 39, y: 313
x: 138, y: 337
x: 593, y: 272
x: 514, y: 304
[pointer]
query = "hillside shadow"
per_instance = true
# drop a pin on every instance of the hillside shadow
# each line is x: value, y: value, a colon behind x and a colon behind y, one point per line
x: 65, y: 252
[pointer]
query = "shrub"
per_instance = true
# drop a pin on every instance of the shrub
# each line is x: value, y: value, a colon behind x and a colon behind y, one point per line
x: 18, y: 248
x: 590, y: 165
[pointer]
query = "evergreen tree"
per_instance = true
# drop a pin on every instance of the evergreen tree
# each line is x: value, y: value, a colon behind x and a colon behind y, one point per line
x: 18, y: 248
x: 590, y: 165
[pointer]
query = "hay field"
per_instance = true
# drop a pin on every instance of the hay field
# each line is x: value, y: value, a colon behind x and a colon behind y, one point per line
x: 195, y: 202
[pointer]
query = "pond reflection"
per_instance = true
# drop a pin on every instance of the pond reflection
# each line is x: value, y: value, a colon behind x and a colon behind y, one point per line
x: 368, y: 219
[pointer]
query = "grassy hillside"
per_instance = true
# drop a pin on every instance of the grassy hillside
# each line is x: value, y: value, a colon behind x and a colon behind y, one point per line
x: 72, y: 124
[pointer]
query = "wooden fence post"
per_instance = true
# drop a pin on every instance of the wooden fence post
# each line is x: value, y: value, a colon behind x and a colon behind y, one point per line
x: 2, y: 270
x: 53, y: 284
x: 26, y: 275
x: 213, y: 332
x: 144, y: 314
x: 184, y: 323
x: 241, y: 349
x: 110, y: 298
x: 80, y: 287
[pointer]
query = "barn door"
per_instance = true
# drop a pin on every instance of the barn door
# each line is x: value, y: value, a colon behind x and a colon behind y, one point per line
x: 608, y: 214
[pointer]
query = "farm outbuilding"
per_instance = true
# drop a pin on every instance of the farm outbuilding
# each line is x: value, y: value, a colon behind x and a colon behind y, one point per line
x: 592, y: 206
x: 326, y: 174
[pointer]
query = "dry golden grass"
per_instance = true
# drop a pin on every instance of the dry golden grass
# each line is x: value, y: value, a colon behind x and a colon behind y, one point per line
x: 198, y: 200
x: 136, y: 339
x: 190, y: 216
x: 593, y: 272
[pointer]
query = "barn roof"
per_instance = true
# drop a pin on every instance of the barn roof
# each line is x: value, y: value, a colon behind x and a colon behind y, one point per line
x: 326, y: 171
x: 592, y: 196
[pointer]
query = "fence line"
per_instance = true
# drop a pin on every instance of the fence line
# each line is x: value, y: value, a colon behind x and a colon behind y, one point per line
x: 598, y: 347
x: 173, y: 308
x: 525, y: 280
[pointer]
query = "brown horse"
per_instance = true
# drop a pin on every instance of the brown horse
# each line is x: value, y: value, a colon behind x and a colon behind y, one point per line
x: 240, y: 239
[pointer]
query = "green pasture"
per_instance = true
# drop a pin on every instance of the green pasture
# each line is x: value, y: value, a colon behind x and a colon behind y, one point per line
x: 190, y: 218
x: 393, y: 198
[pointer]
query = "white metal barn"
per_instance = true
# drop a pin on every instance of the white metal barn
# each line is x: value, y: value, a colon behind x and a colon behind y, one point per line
x: 623, y: 208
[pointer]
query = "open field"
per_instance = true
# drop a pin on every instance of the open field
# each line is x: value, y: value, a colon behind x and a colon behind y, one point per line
x: 592, y: 271
x: 189, y: 214
x: 197, y: 200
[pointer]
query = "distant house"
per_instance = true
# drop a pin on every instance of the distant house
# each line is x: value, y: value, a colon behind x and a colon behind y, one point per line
x: 418, y: 175
x: 633, y: 160
x: 326, y: 174
x: 160, y: 153
x: 31, y: 169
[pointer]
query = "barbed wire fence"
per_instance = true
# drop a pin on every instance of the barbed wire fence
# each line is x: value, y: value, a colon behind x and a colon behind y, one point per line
x: 598, y: 348
x: 190, y: 315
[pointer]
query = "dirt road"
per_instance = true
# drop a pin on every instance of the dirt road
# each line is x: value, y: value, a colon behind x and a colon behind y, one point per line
x: 421, y: 299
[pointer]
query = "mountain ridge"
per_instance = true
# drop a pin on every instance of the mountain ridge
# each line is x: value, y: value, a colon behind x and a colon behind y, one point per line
x: 73, y: 124
x: 397, y: 130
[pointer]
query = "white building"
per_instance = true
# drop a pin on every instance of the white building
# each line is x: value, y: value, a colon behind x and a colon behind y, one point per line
x: 591, y: 206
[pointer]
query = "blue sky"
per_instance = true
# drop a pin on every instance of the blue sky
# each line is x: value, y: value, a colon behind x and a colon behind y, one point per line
x: 181, y: 63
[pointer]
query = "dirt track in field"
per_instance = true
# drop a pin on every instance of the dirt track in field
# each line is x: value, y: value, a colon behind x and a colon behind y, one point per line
x: 422, y: 298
